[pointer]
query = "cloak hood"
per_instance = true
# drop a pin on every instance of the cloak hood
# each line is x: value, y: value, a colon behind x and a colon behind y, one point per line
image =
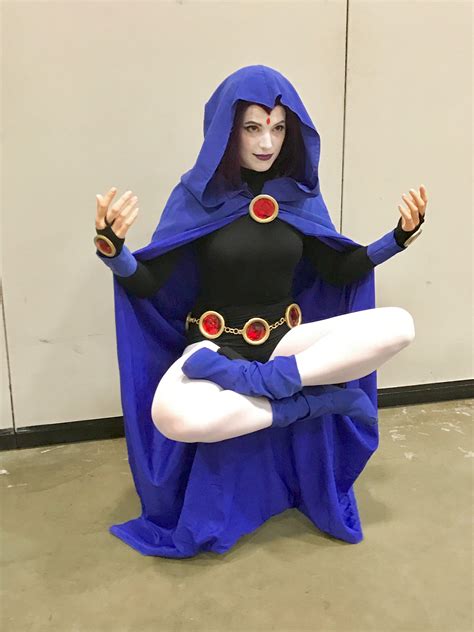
x: 205, y: 496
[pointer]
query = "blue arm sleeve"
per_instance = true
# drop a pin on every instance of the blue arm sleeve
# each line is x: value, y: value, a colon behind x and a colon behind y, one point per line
x: 123, y: 265
x: 384, y: 248
x: 393, y: 242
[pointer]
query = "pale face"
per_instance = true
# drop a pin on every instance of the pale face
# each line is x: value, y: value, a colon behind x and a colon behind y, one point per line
x: 261, y: 134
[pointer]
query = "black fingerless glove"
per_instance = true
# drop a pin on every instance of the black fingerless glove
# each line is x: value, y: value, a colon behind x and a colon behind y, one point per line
x: 117, y: 241
x: 402, y: 235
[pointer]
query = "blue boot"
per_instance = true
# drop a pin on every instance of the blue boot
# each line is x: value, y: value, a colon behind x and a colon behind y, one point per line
x: 232, y: 354
x: 314, y: 401
x: 274, y: 379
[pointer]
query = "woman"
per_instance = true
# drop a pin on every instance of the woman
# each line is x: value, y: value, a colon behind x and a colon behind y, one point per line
x: 258, y: 258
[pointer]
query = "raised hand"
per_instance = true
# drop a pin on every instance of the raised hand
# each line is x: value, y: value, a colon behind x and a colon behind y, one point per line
x: 412, y: 216
x: 120, y: 217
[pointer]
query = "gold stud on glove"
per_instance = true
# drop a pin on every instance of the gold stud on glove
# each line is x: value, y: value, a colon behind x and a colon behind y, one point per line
x: 107, y: 242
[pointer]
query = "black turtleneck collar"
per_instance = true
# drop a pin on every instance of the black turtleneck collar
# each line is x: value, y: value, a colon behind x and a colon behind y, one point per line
x: 256, y: 179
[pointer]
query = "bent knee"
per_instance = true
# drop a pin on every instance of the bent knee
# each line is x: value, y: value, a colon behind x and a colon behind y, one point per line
x: 401, y: 326
x: 162, y: 419
x: 177, y: 422
x: 169, y: 421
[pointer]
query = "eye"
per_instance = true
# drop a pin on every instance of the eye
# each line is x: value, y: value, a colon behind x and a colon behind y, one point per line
x: 251, y: 127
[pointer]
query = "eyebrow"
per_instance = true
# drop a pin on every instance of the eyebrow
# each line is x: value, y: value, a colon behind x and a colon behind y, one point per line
x: 259, y: 124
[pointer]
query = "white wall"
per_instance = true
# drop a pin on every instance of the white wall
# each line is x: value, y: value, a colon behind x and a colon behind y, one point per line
x: 112, y: 94
x: 409, y: 122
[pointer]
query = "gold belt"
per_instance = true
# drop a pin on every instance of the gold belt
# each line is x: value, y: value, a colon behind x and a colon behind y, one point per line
x: 255, y: 331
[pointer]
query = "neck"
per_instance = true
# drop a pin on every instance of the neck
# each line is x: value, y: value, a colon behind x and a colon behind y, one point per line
x: 256, y: 179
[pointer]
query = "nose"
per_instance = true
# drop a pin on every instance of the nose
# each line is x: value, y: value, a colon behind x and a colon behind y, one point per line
x: 266, y: 141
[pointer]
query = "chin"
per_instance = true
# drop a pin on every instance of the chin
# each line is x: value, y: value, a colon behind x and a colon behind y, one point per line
x: 262, y: 165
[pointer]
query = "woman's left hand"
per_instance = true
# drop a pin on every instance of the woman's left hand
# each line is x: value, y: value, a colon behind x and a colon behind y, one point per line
x: 415, y: 213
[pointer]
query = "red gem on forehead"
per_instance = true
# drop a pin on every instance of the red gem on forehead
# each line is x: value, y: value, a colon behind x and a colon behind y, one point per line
x: 268, y: 121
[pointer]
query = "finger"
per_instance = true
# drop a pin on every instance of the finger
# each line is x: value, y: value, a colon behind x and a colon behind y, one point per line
x: 424, y: 194
x: 118, y: 207
x: 101, y: 210
x: 102, y: 206
x: 419, y: 202
x: 413, y: 210
x: 411, y: 205
x: 122, y: 216
x: 407, y: 222
x: 109, y: 195
x: 107, y: 199
x: 126, y: 223
x: 129, y: 206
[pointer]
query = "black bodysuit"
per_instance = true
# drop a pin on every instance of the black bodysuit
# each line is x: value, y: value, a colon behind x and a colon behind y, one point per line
x: 246, y: 269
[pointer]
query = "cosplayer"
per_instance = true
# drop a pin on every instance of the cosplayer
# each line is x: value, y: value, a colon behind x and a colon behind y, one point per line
x: 247, y: 333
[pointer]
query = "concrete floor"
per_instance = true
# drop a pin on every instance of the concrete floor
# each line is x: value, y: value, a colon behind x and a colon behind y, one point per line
x: 62, y: 570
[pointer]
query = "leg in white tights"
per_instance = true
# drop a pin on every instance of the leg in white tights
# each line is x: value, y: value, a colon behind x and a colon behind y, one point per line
x: 328, y: 351
x: 349, y: 346
x: 193, y: 410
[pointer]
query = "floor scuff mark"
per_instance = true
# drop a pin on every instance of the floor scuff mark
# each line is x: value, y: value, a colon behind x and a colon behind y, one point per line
x: 50, y: 449
x: 397, y: 437
x: 468, y: 454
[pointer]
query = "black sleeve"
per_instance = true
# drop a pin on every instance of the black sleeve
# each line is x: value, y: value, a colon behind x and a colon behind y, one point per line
x: 402, y: 235
x: 151, y: 275
x: 335, y: 267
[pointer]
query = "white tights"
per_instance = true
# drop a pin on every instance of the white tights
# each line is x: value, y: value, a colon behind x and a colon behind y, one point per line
x: 329, y: 351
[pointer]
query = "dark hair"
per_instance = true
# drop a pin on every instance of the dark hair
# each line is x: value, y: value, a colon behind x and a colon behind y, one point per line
x: 290, y: 160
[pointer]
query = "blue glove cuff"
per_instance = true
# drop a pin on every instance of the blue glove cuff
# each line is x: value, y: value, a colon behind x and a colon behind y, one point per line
x: 124, y: 265
x: 384, y: 248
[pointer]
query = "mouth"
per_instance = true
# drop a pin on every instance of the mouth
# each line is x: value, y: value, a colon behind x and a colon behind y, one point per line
x: 263, y: 156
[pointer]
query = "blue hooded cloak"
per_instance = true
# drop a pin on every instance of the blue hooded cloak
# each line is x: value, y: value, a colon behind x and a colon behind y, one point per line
x: 205, y: 496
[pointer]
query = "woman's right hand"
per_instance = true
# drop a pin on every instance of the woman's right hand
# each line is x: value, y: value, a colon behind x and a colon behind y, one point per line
x: 120, y: 217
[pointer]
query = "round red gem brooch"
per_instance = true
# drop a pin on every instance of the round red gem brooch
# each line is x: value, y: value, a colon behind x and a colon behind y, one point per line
x: 263, y: 208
